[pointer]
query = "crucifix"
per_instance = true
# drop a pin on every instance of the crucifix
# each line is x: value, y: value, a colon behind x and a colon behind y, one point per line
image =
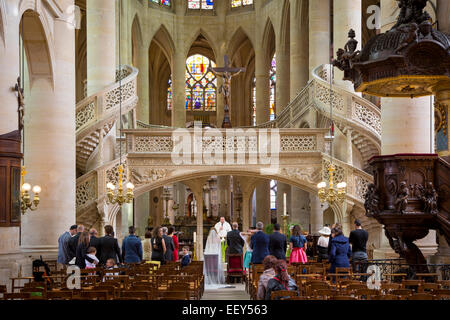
x: 226, y: 73
x: 21, y: 104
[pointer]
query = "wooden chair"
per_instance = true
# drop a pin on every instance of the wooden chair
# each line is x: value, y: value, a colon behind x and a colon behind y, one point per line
x: 445, y: 284
x: 59, y: 295
x: 94, y: 294
x: 356, y: 286
x: 325, y: 293
x: 402, y: 292
x: 426, y: 287
x: 16, y: 296
x: 137, y: 295
x: 173, y: 295
x: 235, y: 267
x: 299, y: 298
x: 442, y: 294
x: 416, y: 284
x: 344, y: 270
x: 421, y: 296
x: 282, y: 293
x: 388, y: 287
x: 385, y: 297
x: 365, y: 294
x: 343, y: 298
x: 310, y: 287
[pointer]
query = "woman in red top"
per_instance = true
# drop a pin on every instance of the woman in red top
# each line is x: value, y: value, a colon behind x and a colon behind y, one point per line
x: 170, y: 233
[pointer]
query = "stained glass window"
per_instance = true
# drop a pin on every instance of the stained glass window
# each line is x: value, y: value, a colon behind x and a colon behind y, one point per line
x: 273, y: 195
x: 201, y: 85
x: 200, y: 4
x: 169, y: 94
x: 254, y: 101
x: 240, y: 3
x: 162, y: 2
x: 273, y: 82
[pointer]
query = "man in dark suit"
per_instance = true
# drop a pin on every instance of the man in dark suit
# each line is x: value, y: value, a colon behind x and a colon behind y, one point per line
x: 259, y: 244
x: 170, y: 246
x: 73, y: 243
x: 109, y: 247
x: 95, y: 241
x: 234, y: 240
x: 278, y: 243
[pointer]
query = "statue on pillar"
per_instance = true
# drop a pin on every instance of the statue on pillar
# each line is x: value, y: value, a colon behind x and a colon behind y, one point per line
x: 21, y: 104
x: 226, y: 73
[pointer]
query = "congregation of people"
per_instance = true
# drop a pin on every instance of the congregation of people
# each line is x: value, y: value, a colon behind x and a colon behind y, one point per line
x: 270, y: 250
x: 275, y: 251
x: 86, y: 249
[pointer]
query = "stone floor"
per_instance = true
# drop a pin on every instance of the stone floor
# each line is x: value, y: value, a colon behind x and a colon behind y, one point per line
x: 227, y: 292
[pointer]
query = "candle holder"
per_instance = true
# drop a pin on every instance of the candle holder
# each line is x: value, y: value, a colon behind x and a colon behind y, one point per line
x: 194, y: 253
x: 285, y: 228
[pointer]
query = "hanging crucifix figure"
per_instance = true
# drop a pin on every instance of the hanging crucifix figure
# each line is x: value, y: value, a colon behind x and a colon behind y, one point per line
x: 21, y: 104
x: 226, y: 73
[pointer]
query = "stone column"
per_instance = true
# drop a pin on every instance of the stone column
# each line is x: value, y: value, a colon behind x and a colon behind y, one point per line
x: 101, y: 44
x: 9, y: 64
x: 319, y: 33
x: 262, y: 87
x: 347, y: 15
x: 178, y: 86
x: 143, y: 112
x: 263, y: 202
x: 349, y: 146
x: 443, y: 10
x: 50, y: 137
x: 299, y: 53
x: 406, y: 126
x: 246, y: 210
x: 199, y: 200
x: 316, y: 216
x: 283, y: 73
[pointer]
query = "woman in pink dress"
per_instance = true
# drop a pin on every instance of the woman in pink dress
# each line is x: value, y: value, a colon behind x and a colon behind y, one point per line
x: 170, y: 233
x: 298, y: 245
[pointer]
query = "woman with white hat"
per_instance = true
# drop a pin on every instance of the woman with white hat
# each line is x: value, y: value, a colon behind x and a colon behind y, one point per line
x: 322, y: 244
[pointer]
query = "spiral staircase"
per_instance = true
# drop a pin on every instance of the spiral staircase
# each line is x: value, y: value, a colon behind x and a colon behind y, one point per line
x: 97, y: 115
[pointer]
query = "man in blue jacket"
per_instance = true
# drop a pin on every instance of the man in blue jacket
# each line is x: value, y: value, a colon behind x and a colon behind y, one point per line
x: 259, y: 244
x: 132, y: 247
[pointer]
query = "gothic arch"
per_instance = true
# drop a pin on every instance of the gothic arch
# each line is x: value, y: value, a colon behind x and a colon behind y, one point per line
x: 136, y: 39
x: 202, y: 43
x: 268, y: 41
x: 285, y: 26
x: 163, y: 39
x: 40, y: 57
x: 3, y: 21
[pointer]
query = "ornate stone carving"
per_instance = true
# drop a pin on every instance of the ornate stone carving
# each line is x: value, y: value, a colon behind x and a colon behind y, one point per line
x: 145, y: 144
x: 298, y: 143
x: 309, y: 174
x: 86, y: 192
x: 85, y: 115
x: 141, y: 176
x: 112, y: 98
x: 112, y: 175
x: 367, y: 116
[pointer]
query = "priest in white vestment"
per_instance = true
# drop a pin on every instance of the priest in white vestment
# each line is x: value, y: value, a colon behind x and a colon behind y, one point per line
x: 223, y: 228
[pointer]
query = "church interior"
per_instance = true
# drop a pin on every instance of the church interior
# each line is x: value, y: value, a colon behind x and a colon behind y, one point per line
x: 103, y: 101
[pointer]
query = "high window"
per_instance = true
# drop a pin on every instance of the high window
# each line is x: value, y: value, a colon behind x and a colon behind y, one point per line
x: 201, y: 85
x: 169, y: 94
x: 240, y: 3
x: 273, y: 82
x: 273, y: 195
x: 161, y: 2
x: 200, y: 4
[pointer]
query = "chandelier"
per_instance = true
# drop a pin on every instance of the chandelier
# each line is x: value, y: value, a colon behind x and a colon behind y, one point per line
x: 120, y: 197
x: 330, y: 194
x: 25, y: 197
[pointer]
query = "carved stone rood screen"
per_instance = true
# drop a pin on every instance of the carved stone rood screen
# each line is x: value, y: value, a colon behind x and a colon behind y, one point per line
x: 226, y: 73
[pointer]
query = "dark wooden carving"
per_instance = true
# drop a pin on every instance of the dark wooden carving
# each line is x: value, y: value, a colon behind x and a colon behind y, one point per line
x: 410, y: 196
x: 386, y: 63
x: 10, y: 158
